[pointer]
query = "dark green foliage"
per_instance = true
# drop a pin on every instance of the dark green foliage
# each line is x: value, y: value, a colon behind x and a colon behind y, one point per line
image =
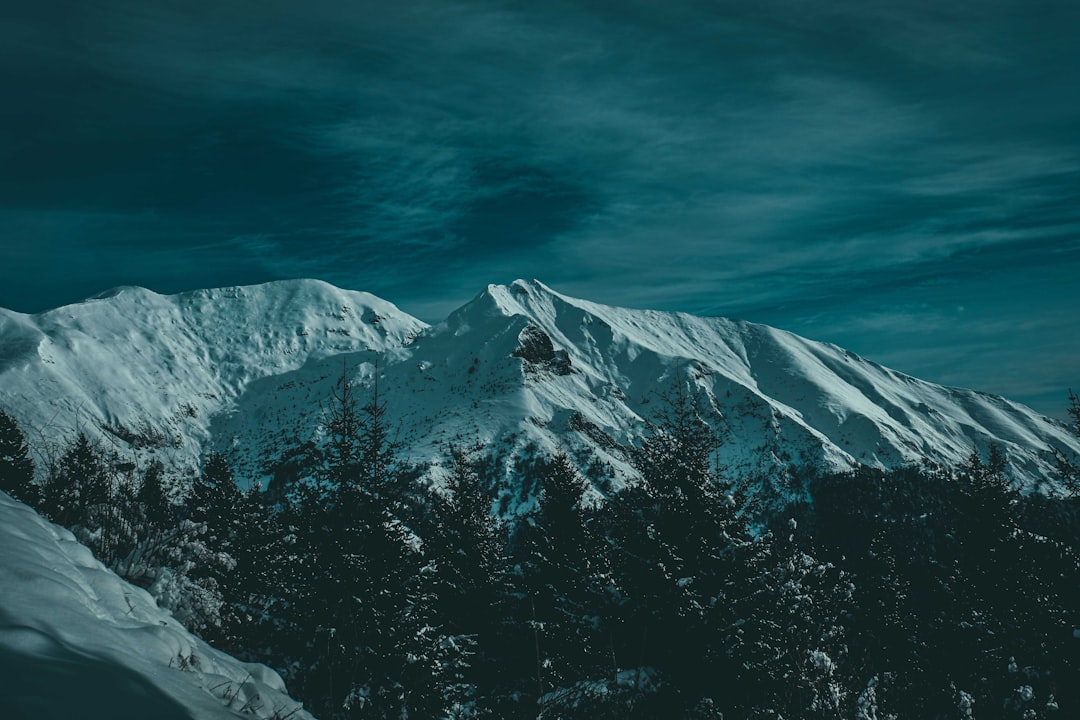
x: 708, y: 619
x: 214, y: 496
x: 343, y: 427
x: 1069, y: 467
x: 793, y: 629
x: 361, y: 455
x: 464, y: 547
x: 126, y: 518
x: 357, y: 606
x: 152, y: 496
x: 554, y: 637
x: 916, y: 593
x: 965, y: 591
x: 16, y: 467
x: 77, y: 484
x: 683, y: 561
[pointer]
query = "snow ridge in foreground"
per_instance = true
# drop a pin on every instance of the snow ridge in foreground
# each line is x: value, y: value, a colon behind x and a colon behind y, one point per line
x: 76, y: 641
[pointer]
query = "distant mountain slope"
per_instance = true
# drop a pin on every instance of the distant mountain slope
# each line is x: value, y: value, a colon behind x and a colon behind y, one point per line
x: 76, y: 641
x: 150, y: 371
x: 249, y: 370
x: 522, y: 365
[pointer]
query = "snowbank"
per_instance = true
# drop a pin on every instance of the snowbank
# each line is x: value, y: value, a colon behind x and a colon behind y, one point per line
x: 76, y: 641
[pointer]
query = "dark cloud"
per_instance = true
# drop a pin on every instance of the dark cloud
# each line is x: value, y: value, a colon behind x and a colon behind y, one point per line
x: 851, y: 170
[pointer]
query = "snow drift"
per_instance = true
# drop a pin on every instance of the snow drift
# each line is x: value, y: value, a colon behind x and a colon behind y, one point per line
x: 76, y: 641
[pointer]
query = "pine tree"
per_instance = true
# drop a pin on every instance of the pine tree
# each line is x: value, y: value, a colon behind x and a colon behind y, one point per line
x: 16, y: 467
x: 1069, y: 467
x: 152, y: 497
x: 342, y: 426
x: 213, y: 498
x: 212, y: 506
x: 360, y: 456
x: 685, y: 565
x: 79, y: 488
x: 302, y: 607
x: 261, y: 583
x: 370, y: 643
x: 987, y: 502
x: 792, y: 631
x: 464, y: 551
x: 558, y: 590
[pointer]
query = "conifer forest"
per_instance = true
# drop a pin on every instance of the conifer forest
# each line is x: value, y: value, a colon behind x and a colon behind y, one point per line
x: 380, y: 590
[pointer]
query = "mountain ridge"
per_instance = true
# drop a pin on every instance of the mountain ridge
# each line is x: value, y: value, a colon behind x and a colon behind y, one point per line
x: 520, y: 366
x: 133, y: 365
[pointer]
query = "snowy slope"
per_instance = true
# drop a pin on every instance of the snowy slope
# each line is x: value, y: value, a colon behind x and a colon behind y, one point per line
x: 76, y: 641
x: 522, y: 365
x: 249, y: 370
x: 149, y: 372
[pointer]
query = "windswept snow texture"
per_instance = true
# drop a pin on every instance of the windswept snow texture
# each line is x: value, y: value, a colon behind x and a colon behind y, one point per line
x: 149, y: 372
x: 76, y: 641
x: 249, y: 370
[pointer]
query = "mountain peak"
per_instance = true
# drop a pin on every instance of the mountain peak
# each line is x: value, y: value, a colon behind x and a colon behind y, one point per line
x: 120, y: 290
x: 519, y: 363
x: 529, y: 298
x: 838, y: 409
x: 133, y: 364
x: 526, y: 287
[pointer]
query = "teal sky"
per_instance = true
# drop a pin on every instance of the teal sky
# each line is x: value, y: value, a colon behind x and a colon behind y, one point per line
x: 900, y: 178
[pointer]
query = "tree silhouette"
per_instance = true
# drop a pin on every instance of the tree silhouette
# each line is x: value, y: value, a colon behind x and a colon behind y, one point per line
x: 16, y: 467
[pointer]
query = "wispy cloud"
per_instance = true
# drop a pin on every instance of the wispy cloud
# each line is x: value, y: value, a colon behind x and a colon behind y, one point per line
x: 783, y: 161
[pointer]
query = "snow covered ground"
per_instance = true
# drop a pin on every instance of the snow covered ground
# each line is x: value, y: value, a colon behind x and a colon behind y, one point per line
x: 77, y: 642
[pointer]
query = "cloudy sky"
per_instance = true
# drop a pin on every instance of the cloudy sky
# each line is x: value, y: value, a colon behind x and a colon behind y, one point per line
x: 899, y: 177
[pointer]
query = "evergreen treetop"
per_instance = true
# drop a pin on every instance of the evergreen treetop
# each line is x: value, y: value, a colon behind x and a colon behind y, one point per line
x: 16, y: 467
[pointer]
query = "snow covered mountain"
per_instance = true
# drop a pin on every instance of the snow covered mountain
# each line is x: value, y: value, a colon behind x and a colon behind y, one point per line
x: 76, y: 641
x: 249, y: 371
x: 523, y: 366
x: 149, y: 372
